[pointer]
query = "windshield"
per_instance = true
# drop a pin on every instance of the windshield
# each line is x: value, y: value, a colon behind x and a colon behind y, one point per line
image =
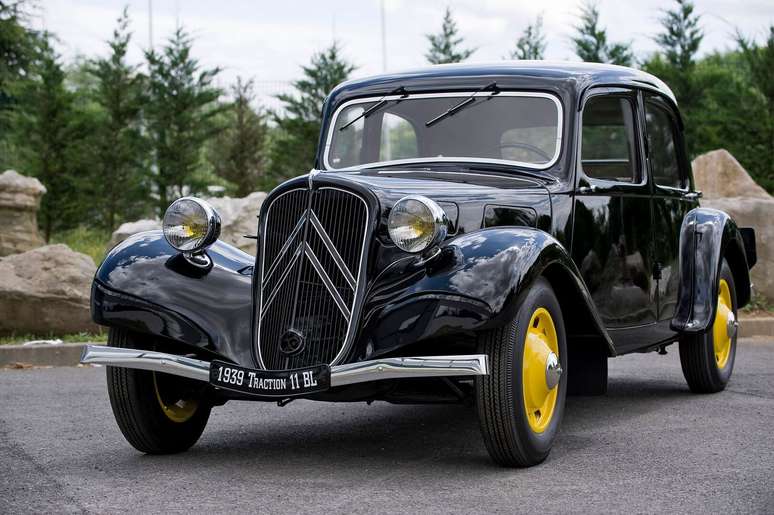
x: 522, y: 129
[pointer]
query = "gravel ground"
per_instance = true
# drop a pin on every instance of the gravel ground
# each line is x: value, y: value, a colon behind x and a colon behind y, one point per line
x: 649, y: 445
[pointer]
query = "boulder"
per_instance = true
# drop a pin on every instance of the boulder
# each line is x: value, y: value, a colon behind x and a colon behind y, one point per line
x: 719, y: 175
x: 758, y: 214
x: 129, y: 228
x: 46, y: 290
x: 239, y: 216
x: 19, y: 203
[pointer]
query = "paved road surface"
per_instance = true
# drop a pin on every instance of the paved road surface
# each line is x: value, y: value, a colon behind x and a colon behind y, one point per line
x: 649, y: 445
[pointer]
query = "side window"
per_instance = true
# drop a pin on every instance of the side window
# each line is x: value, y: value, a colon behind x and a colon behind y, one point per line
x: 607, y: 140
x: 399, y: 140
x: 662, y: 145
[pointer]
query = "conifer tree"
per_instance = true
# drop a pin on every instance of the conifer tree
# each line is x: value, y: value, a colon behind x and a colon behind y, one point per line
x: 122, y: 189
x: 445, y: 46
x: 298, y: 125
x: 532, y: 42
x: 183, y: 100
x: 591, y: 43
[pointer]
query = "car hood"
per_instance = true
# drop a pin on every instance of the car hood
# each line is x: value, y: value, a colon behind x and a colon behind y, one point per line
x: 471, y: 199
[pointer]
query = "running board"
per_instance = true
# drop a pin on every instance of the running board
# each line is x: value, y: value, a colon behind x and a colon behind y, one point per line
x: 351, y: 373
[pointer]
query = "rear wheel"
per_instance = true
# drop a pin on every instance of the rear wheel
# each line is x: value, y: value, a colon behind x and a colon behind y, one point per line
x: 707, y: 359
x: 521, y: 402
x: 157, y: 413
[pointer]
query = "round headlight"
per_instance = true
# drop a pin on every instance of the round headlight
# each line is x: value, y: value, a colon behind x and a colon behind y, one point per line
x: 416, y: 223
x: 191, y: 224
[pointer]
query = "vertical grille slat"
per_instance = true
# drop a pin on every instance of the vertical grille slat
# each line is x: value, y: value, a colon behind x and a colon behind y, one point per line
x: 303, y: 302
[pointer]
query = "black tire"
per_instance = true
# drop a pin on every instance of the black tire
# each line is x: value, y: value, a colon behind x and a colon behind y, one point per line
x: 500, y: 401
x: 136, y: 399
x: 697, y: 352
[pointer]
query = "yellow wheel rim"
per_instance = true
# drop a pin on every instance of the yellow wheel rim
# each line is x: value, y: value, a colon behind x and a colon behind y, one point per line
x: 175, y: 408
x: 720, y: 333
x: 539, y: 343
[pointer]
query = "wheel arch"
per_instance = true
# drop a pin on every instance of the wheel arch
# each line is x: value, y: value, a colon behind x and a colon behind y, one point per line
x: 706, y: 237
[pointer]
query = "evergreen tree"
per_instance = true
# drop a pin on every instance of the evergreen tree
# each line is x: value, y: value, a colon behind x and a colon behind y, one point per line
x: 532, y: 43
x: 679, y: 41
x: 591, y: 41
x: 445, y: 46
x: 18, y: 52
x: 681, y: 35
x: 238, y: 153
x: 298, y: 128
x: 760, y: 63
x: 180, y: 109
x: 49, y: 137
x: 122, y: 190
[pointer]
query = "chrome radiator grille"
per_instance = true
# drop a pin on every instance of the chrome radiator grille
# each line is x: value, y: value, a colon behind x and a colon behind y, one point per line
x: 312, y: 256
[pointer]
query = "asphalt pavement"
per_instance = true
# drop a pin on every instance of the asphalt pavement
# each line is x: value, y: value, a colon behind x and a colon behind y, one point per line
x: 649, y: 445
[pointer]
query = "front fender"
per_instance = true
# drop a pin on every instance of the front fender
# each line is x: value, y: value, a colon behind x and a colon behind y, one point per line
x: 147, y: 286
x: 706, y: 237
x: 472, y: 285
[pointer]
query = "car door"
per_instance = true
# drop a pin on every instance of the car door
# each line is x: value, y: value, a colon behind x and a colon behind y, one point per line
x: 668, y: 168
x: 612, y: 240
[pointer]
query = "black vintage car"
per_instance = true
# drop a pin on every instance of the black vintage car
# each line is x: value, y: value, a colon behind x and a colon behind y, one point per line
x: 483, y: 234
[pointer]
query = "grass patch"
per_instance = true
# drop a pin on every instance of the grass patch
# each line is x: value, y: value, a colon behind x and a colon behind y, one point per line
x: 759, y: 305
x: 87, y: 240
x: 17, y: 339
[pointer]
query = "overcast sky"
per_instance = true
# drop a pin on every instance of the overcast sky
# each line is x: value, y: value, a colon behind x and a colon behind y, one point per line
x: 269, y: 40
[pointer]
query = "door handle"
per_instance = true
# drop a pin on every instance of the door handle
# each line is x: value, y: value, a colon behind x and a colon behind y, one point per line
x: 588, y: 189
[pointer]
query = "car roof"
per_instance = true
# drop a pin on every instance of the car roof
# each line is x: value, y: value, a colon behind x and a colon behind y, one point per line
x: 582, y: 74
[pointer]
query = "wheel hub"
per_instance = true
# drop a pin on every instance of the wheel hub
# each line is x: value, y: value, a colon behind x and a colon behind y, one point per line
x: 724, y: 328
x: 541, y: 370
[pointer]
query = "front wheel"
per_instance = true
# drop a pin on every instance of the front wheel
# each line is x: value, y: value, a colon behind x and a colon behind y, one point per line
x: 707, y: 359
x: 521, y: 402
x: 157, y: 413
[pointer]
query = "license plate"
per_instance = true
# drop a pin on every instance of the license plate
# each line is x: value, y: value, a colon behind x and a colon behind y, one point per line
x: 270, y: 383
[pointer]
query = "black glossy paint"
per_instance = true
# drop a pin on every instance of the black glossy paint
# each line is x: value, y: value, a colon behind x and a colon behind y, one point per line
x: 706, y: 237
x: 611, y: 252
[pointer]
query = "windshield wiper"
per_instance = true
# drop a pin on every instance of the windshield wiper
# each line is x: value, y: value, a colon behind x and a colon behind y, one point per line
x: 461, y: 105
x: 381, y: 103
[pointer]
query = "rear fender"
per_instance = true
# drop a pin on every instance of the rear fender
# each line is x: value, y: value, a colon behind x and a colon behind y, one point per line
x: 706, y: 237
x: 147, y: 286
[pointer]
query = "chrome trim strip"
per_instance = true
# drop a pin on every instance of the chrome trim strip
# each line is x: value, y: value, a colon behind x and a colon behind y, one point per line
x: 332, y: 249
x: 352, y: 373
x: 285, y: 247
x: 448, y: 159
x: 146, y: 360
x: 327, y: 281
x: 401, y: 368
x: 284, y: 276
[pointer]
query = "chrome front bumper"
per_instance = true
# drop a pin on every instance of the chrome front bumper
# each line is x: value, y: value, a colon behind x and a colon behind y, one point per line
x: 361, y: 372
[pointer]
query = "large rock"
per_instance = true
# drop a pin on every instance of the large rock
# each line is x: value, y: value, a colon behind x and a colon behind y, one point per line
x: 719, y: 175
x: 46, y: 290
x: 19, y: 203
x: 757, y: 213
x: 129, y: 228
x: 239, y: 216
x: 728, y: 187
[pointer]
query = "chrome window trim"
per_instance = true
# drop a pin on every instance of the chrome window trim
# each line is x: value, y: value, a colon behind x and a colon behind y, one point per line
x: 358, y: 285
x: 446, y: 159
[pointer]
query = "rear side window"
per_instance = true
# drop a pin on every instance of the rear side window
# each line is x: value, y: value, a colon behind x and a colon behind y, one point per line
x: 662, y: 145
x: 607, y: 140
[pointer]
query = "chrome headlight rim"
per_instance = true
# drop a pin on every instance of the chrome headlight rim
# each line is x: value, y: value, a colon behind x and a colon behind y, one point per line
x: 212, y: 222
x: 437, y: 216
